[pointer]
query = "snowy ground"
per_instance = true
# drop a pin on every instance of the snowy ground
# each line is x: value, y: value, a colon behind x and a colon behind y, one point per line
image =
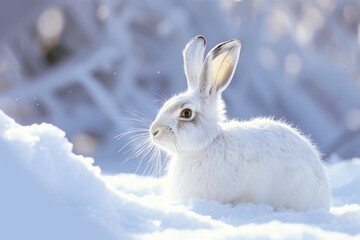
x: 50, y: 193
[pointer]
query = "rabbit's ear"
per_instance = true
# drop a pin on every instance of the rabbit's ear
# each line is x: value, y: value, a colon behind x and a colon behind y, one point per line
x: 193, y: 60
x: 219, y: 67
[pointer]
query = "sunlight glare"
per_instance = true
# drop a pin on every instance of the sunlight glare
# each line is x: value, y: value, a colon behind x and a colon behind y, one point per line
x: 50, y: 24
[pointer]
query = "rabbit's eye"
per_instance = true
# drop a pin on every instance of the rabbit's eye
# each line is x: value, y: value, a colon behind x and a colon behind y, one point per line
x: 186, y: 113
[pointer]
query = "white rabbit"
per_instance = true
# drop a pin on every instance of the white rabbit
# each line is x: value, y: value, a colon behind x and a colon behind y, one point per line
x: 258, y: 161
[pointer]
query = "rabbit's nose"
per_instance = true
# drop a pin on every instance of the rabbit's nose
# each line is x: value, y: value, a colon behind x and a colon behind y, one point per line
x: 155, y: 132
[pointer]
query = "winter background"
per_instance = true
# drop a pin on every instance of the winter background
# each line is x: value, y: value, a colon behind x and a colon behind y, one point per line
x: 85, y: 66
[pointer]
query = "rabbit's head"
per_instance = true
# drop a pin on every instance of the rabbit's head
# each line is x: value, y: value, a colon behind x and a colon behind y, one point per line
x: 189, y: 121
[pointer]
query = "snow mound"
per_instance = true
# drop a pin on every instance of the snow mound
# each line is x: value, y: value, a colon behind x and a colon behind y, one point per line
x: 49, y: 192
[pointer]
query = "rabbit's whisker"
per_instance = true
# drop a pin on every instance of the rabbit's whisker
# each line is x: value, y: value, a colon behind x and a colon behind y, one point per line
x: 139, y: 144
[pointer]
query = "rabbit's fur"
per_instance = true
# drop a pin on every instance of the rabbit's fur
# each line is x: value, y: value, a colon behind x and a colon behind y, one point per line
x: 258, y: 161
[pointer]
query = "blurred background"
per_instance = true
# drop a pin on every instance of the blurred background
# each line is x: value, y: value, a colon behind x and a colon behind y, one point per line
x: 84, y: 65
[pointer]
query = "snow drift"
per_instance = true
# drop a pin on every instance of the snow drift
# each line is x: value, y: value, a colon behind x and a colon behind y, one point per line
x: 49, y: 192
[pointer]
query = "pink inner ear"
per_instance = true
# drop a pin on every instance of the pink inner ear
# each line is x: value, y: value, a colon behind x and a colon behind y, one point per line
x: 223, y: 67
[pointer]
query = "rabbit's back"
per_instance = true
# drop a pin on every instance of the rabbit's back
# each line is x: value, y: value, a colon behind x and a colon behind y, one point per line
x: 280, y: 165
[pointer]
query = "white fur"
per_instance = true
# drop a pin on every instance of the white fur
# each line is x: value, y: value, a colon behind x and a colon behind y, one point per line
x: 258, y: 161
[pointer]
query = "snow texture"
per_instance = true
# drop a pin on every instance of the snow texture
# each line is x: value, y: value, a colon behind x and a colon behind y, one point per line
x: 50, y: 193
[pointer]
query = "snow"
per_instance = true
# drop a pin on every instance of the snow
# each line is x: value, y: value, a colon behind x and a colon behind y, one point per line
x: 50, y: 193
